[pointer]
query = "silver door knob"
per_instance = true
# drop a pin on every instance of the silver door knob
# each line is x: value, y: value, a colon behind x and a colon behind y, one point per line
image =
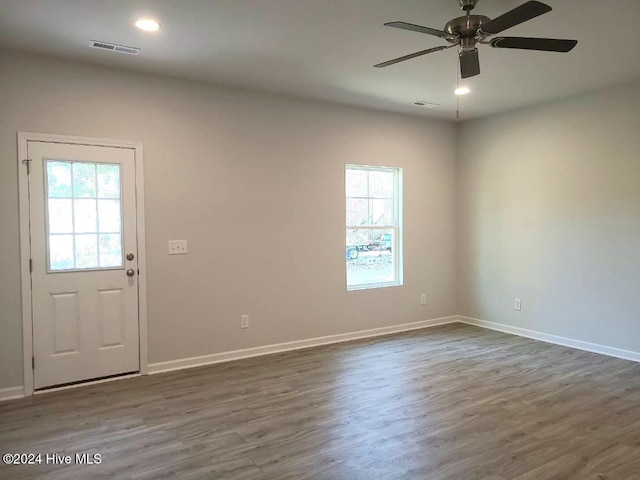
x: 130, y: 272
x: 130, y: 256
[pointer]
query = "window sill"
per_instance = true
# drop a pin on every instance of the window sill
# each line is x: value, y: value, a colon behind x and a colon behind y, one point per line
x: 372, y: 286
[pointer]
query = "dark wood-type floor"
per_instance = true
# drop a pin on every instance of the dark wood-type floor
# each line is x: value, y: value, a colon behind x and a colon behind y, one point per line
x: 452, y: 402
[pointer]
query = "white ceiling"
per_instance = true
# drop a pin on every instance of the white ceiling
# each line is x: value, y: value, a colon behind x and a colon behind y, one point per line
x: 325, y: 49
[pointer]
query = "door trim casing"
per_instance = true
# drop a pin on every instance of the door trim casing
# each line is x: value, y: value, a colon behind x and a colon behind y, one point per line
x: 25, y: 243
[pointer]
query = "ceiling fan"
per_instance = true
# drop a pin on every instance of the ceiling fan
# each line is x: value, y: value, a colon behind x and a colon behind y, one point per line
x: 468, y: 31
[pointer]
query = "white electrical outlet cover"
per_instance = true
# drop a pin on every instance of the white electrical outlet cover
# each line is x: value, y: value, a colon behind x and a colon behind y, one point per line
x: 177, y: 247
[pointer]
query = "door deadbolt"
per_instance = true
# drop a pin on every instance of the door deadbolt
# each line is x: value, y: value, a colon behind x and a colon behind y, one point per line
x: 130, y: 256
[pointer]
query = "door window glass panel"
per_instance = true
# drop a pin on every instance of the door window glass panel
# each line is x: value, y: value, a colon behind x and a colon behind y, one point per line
x: 86, y: 251
x: 110, y: 250
x: 108, y: 181
x: 61, y: 252
x: 60, y: 218
x: 83, y: 215
x: 84, y: 180
x: 109, y: 214
x: 59, y: 179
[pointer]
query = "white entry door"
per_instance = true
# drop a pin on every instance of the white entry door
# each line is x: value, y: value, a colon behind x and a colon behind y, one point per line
x: 82, y: 202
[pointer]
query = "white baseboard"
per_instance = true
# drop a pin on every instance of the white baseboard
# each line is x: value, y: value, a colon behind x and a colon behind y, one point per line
x: 555, y: 339
x: 295, y: 345
x: 18, y: 392
x: 11, y: 393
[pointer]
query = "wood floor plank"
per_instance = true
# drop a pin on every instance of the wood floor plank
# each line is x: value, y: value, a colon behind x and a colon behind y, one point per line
x: 448, y: 403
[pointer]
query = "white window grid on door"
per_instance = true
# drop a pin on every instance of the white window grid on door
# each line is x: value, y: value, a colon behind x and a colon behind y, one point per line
x: 72, y: 198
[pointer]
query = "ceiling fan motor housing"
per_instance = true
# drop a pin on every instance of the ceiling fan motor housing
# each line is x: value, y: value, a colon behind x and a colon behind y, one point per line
x: 464, y: 30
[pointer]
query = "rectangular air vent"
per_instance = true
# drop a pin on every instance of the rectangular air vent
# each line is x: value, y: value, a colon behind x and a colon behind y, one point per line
x: 114, y: 48
x: 424, y: 104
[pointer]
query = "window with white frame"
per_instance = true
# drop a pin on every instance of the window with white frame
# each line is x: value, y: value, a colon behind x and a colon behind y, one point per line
x: 373, y: 226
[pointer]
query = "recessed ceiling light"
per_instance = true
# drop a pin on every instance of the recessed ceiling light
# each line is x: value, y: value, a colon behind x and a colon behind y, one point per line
x: 462, y: 91
x: 148, y: 25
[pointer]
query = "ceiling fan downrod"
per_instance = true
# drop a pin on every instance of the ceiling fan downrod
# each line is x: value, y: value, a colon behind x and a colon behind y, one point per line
x: 468, y: 5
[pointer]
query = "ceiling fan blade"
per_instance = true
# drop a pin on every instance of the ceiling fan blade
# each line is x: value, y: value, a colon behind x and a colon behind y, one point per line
x: 469, y: 63
x: 417, y: 28
x: 412, y: 55
x: 518, y: 15
x: 544, y: 44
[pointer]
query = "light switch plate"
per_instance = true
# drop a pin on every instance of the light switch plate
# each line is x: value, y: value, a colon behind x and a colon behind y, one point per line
x: 517, y: 304
x: 177, y: 247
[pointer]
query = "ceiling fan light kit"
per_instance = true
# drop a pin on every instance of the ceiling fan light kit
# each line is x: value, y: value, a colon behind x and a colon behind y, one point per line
x: 471, y: 30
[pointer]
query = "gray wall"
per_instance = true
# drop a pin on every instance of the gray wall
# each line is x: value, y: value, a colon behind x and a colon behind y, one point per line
x: 549, y: 212
x: 254, y: 182
x: 543, y: 204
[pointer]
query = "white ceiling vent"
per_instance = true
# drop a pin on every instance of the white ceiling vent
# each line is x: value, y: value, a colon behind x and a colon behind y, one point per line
x: 114, y: 48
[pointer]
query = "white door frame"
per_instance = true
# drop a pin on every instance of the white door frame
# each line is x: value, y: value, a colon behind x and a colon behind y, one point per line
x: 25, y: 243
